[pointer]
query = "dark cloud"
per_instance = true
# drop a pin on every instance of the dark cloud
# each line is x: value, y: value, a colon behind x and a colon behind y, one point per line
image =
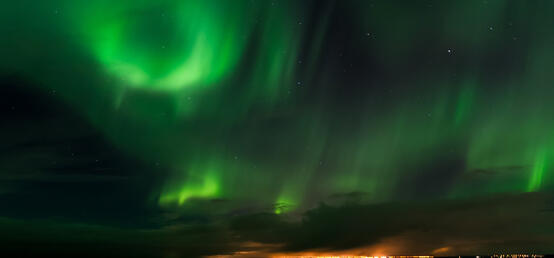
x: 500, y: 224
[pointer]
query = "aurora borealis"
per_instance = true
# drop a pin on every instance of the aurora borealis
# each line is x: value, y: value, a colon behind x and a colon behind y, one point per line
x: 258, y: 128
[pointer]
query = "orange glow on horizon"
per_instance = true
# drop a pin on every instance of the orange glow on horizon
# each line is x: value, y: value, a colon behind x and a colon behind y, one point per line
x: 351, y: 256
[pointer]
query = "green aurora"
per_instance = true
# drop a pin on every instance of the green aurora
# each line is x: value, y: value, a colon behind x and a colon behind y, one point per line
x: 201, y: 82
x: 281, y: 105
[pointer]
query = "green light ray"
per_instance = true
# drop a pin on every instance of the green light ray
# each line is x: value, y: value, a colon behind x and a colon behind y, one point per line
x: 199, y: 183
x: 537, y: 173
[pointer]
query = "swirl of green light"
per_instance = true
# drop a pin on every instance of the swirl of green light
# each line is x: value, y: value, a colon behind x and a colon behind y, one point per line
x: 165, y: 46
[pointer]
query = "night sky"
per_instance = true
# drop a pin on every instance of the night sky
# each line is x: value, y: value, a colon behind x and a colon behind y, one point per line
x: 255, y: 128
